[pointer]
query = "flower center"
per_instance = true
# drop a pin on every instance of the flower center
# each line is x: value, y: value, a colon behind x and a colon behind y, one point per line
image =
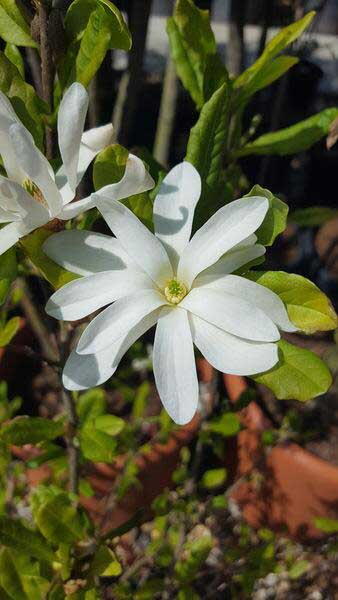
x: 34, y: 191
x: 175, y: 291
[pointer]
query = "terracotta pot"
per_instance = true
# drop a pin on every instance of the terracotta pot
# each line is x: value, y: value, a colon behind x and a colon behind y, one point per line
x: 289, y: 486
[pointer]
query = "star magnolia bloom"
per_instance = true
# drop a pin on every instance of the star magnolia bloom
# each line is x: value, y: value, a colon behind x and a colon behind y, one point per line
x: 32, y: 195
x: 186, y: 287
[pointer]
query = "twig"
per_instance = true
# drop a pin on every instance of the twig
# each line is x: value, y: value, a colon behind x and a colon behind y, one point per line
x: 72, y: 447
x: 134, y: 521
x: 35, y: 69
x: 47, y: 71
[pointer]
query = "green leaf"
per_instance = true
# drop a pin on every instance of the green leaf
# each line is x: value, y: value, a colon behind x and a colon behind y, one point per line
x: 8, y: 272
x: 9, y: 331
x: 313, y: 216
x: 284, y: 38
x: 30, y: 430
x: 13, y: 26
x: 14, y: 55
x: 195, y: 554
x: 109, y: 424
x: 15, y: 535
x: 27, y: 105
x: 58, y: 519
x: 32, y: 245
x: 96, y: 445
x: 276, y: 217
x: 104, y: 564
x: 326, y: 525
x: 297, y: 138
x: 20, y: 577
x: 194, y: 51
x: 269, y: 73
x: 214, y: 478
x: 109, y: 167
x: 299, y: 374
x: 91, y: 404
x: 308, y: 307
x: 78, y: 15
x: 299, y: 568
x: 206, y: 148
x: 227, y: 425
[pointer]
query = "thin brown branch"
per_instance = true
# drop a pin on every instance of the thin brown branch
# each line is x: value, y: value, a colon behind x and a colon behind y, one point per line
x: 72, y: 447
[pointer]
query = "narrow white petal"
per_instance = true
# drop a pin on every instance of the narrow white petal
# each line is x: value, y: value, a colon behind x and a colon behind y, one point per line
x: 35, y: 165
x: 230, y: 354
x: 7, y: 118
x: 81, y: 297
x: 83, y: 371
x: 86, y: 252
x: 231, y: 313
x: 256, y: 294
x: 174, y: 208
x: 174, y: 365
x: 9, y: 235
x: 135, y: 180
x: 225, y: 229
x: 230, y: 262
x: 116, y: 320
x: 72, y: 210
x: 142, y: 246
x: 71, y: 119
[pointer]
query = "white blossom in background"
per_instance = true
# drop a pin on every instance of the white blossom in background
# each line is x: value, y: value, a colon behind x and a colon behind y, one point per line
x: 185, y: 287
x: 32, y: 195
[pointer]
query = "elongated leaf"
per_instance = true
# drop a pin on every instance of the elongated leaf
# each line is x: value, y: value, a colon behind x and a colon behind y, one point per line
x: 109, y: 167
x: 91, y: 404
x: 78, y: 15
x: 194, y: 51
x: 269, y: 73
x: 327, y: 525
x: 9, y: 330
x: 13, y: 26
x: 299, y: 374
x: 8, y: 272
x: 28, y: 106
x: 30, y: 430
x: 282, y: 40
x: 20, y: 577
x: 32, y: 246
x: 206, y: 148
x: 15, y: 535
x: 313, y: 216
x: 97, y: 445
x: 308, y: 307
x: 109, y: 424
x: 58, y: 519
x: 276, y: 217
x: 13, y: 54
x: 214, y: 478
x: 297, y: 138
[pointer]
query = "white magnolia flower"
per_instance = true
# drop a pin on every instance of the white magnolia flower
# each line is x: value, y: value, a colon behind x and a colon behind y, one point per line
x: 32, y: 195
x: 186, y: 287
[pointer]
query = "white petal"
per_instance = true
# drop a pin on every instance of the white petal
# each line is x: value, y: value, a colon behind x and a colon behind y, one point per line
x: 7, y: 118
x: 174, y: 208
x: 174, y: 365
x: 142, y: 246
x: 12, y: 195
x: 86, y: 252
x: 84, y: 371
x: 227, y: 227
x: 81, y: 297
x: 35, y: 165
x: 135, y: 180
x: 116, y: 320
x: 72, y: 210
x: 98, y: 138
x: 71, y: 119
x: 230, y: 262
x: 9, y: 235
x: 256, y: 294
x: 230, y: 354
x: 231, y: 313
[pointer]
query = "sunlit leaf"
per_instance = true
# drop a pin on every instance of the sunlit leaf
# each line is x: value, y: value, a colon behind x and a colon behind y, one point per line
x: 15, y: 535
x: 13, y: 26
x: 276, y: 217
x: 30, y: 430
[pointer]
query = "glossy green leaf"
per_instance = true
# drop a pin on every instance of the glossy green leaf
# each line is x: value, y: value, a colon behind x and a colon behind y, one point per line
x: 13, y: 26
x: 214, y: 478
x: 15, y: 535
x: 195, y: 554
x: 308, y: 307
x: 326, y: 525
x: 20, y: 577
x: 264, y: 77
x: 13, y: 54
x: 206, y: 148
x: 313, y: 216
x: 91, y: 404
x: 27, y: 105
x: 299, y: 568
x: 56, y: 516
x: 32, y: 245
x: 97, y: 445
x: 297, y: 138
x: 109, y: 424
x: 8, y: 272
x: 30, y: 430
x: 282, y: 40
x: 194, y: 51
x: 299, y: 374
x: 104, y: 564
x: 78, y: 15
x: 227, y: 424
x: 109, y: 167
x: 276, y: 217
x: 9, y: 331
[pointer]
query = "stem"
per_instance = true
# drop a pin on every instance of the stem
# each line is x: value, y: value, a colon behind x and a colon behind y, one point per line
x: 72, y: 448
x: 47, y: 71
x: 165, y: 123
x: 34, y: 65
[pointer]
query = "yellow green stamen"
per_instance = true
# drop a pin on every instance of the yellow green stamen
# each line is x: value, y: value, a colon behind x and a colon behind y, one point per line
x: 175, y: 291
